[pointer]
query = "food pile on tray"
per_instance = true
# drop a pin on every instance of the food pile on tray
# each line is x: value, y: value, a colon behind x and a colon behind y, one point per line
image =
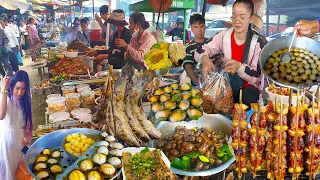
x: 195, y: 149
x: 176, y: 103
x: 69, y: 66
x: 302, y: 70
x: 77, y: 46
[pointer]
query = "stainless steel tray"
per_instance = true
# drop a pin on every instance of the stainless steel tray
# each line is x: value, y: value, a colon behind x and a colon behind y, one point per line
x: 284, y: 42
x: 53, y: 140
x: 88, y: 154
x: 215, y: 122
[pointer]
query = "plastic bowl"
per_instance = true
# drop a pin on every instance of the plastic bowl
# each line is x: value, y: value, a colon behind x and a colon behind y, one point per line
x: 71, y: 54
x: 72, y: 156
x: 285, y: 99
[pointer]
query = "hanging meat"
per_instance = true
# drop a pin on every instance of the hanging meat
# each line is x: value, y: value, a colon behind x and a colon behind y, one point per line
x: 313, y: 143
x: 240, y: 137
x: 257, y: 140
x: 296, y: 140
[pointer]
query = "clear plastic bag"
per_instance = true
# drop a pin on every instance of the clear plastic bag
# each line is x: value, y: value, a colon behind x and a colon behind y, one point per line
x: 216, y: 93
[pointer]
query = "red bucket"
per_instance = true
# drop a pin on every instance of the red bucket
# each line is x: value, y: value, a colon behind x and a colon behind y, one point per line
x: 95, y: 35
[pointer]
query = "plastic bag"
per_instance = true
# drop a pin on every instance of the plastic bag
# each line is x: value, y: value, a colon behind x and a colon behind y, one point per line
x: 216, y: 93
x: 19, y: 58
x: 156, y: 32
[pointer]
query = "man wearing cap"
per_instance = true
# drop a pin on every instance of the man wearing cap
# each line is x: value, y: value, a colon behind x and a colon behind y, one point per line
x: 177, y: 32
x: 114, y: 54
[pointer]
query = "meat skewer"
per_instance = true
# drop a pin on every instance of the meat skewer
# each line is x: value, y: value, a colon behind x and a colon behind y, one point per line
x: 257, y: 140
x: 270, y: 134
x: 240, y: 137
x: 296, y: 142
x: 280, y: 148
x: 312, y: 141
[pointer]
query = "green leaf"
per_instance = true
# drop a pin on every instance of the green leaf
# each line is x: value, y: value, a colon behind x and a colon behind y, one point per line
x: 193, y: 154
x: 221, y: 153
x: 176, y: 98
x: 224, y: 159
x: 194, y: 128
x: 176, y: 163
x: 186, y: 162
x: 145, y: 150
x: 203, y: 158
x: 195, y: 117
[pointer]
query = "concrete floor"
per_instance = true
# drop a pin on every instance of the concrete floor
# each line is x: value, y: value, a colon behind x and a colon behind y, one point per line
x: 38, y: 100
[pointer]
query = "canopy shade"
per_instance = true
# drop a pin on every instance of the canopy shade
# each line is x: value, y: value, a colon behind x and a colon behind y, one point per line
x: 296, y: 8
x: 177, y: 5
x: 23, y: 5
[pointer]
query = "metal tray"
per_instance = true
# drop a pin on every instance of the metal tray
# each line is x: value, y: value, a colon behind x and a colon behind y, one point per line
x: 53, y: 140
x: 215, y: 122
x: 284, y: 42
x: 88, y: 154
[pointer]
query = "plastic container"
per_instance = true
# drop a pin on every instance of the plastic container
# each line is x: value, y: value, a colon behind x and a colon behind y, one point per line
x: 88, y: 97
x: 79, y: 90
x: 72, y: 99
x: 56, y: 104
x: 88, y: 105
x: 84, y: 117
x: 53, y: 96
x: 73, y: 107
x: 95, y: 35
x: 80, y: 86
x: 59, y: 116
x: 80, y: 111
x: 68, y: 89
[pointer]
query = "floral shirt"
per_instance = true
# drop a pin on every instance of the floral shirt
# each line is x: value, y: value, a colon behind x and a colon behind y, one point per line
x: 138, y: 48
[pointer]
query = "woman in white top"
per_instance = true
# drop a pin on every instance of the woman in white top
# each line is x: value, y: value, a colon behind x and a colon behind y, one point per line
x: 13, y: 43
x: 15, y: 122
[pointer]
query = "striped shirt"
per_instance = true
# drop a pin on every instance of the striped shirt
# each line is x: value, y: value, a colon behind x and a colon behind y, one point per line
x: 191, y: 48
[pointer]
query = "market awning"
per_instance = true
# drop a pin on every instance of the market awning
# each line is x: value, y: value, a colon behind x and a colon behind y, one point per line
x: 23, y: 5
x: 296, y: 8
x: 177, y: 5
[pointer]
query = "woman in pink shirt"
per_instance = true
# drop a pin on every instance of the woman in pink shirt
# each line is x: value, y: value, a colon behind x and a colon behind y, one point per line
x: 140, y: 43
x: 33, y: 36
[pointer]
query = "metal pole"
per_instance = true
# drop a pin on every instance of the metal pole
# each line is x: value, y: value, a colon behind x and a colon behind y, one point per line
x: 108, y: 25
x: 267, y: 19
x: 153, y: 16
x: 162, y: 23
x: 204, y: 8
x: 184, y: 26
x: 93, y: 9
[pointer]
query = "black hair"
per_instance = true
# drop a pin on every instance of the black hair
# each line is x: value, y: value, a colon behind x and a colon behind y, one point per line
x: 104, y: 9
x: 249, y: 3
x: 76, y: 19
x: 4, y: 18
x: 139, y: 18
x: 197, y: 18
x: 84, y: 20
x: 250, y: 32
x: 29, y: 20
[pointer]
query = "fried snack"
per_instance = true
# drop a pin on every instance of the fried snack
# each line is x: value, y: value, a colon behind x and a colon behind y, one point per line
x: 148, y: 166
x: 240, y: 138
x: 69, y: 66
x: 77, y: 46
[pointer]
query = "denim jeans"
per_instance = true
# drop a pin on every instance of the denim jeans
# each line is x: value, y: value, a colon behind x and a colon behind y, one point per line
x: 13, y: 59
x: 4, y: 63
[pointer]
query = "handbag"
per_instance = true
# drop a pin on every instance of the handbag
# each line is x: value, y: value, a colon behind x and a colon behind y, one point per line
x: 23, y: 173
x: 19, y: 58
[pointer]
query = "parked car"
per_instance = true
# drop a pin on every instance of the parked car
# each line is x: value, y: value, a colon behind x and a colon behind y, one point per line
x: 214, y: 27
x: 274, y: 36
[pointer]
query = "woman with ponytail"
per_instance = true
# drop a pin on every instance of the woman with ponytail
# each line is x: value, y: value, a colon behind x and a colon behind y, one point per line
x: 15, y: 122
x: 240, y: 47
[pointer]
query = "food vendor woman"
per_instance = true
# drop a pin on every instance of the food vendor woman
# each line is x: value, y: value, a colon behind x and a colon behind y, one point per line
x: 140, y: 43
x: 241, y: 47
x: 114, y: 54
